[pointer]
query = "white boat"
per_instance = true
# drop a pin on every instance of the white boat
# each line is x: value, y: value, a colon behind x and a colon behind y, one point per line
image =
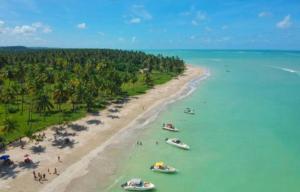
x: 170, y: 127
x: 189, y: 111
x: 161, y: 167
x: 137, y: 185
x: 177, y: 143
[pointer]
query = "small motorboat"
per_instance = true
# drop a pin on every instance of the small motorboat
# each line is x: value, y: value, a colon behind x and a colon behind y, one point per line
x: 170, y: 127
x: 137, y: 185
x: 161, y: 167
x: 189, y: 111
x: 177, y: 143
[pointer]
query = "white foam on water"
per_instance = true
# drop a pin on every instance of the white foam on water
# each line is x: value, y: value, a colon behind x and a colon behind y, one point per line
x: 286, y: 70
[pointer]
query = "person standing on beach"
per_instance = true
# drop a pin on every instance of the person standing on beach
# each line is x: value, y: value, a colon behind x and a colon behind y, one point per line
x: 34, y: 175
x: 55, y: 171
x: 49, y: 171
x: 40, y: 177
x: 58, y: 158
x: 44, y: 177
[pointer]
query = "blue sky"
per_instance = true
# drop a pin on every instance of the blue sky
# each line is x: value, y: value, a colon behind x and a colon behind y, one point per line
x: 151, y: 24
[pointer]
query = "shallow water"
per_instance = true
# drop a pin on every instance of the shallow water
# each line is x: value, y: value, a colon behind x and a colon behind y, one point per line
x: 244, y: 136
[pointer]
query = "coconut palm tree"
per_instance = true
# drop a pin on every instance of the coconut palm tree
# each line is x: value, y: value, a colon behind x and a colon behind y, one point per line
x: 60, y: 94
x: 9, y: 125
x: 43, y: 103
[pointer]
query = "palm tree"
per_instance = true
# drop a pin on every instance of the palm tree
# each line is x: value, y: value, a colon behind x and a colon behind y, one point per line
x: 43, y: 103
x: 7, y: 97
x: 2, y: 142
x: 9, y: 125
x: 60, y: 94
x: 148, y: 79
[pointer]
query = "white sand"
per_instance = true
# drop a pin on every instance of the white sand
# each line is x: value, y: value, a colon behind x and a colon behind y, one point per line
x: 89, y: 143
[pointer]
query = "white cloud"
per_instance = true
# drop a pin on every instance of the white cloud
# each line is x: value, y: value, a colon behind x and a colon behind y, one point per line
x: 47, y: 29
x: 133, y: 39
x: 135, y: 20
x: 138, y: 13
x: 81, y: 26
x: 199, y: 17
x: 285, y: 22
x: 34, y: 28
x: 24, y: 30
x: 264, y: 14
x: 44, y: 28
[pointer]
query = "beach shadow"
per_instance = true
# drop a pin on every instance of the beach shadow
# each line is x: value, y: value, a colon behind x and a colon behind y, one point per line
x: 16, y: 144
x: 78, y: 128
x: 63, y: 143
x: 95, y: 113
x: 119, y: 106
x: 113, y: 110
x: 32, y: 165
x: 113, y: 116
x: 8, y: 171
x: 58, y: 129
x: 38, y: 149
x: 94, y: 121
x: 123, y: 100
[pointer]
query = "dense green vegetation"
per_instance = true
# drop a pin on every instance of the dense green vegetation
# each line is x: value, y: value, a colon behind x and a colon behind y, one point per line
x: 42, y: 87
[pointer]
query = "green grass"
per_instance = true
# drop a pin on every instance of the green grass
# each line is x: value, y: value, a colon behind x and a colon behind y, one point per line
x: 40, y: 122
x: 140, y: 87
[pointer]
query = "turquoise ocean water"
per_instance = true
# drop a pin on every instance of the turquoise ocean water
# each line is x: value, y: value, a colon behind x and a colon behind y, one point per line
x: 245, y: 135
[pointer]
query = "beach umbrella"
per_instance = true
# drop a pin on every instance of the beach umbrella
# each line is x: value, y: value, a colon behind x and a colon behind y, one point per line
x: 4, y: 157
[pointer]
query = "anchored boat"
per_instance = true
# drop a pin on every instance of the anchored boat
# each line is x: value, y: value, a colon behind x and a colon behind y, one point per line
x: 170, y: 127
x: 189, y: 111
x: 137, y: 185
x: 177, y: 143
x: 161, y: 167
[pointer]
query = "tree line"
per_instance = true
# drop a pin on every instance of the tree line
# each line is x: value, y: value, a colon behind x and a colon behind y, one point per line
x: 42, y: 80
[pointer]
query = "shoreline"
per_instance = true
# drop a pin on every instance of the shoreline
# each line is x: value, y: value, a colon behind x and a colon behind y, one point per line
x: 99, y: 132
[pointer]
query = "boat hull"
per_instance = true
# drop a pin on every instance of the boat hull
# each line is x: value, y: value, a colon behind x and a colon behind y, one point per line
x: 150, y: 186
x: 181, y: 146
x: 170, y: 129
x: 170, y: 170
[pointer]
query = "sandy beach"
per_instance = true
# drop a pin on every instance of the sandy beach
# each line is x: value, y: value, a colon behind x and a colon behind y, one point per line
x: 90, y: 137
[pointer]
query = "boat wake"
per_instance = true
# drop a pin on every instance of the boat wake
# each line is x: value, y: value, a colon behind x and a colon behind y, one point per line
x: 287, y: 70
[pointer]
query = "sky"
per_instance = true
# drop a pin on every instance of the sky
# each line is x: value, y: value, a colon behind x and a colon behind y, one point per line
x: 151, y: 24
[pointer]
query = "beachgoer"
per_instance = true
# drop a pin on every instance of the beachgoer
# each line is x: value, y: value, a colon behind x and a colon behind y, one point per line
x: 44, y: 176
x: 40, y: 177
x: 58, y: 158
x: 156, y: 142
x: 34, y: 175
x: 55, y: 171
x: 49, y: 171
